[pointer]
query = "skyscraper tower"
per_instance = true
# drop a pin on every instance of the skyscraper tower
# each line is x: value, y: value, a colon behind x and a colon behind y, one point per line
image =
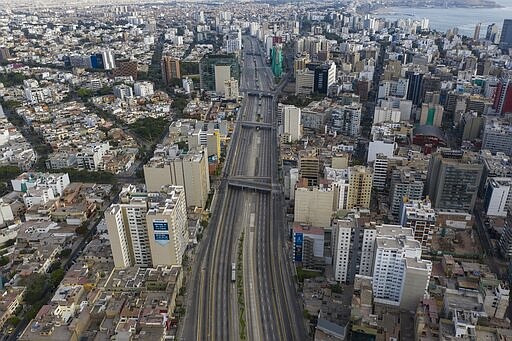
x: 453, y: 180
x: 506, y: 34
x: 476, y: 35
x: 170, y: 68
x: 276, y: 55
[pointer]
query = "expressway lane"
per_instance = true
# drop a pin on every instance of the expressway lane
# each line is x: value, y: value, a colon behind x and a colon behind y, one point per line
x: 271, y: 307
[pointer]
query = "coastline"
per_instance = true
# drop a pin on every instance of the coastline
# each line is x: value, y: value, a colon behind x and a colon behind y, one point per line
x: 382, y: 9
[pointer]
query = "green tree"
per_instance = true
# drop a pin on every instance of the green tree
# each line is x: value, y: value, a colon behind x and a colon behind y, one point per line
x: 7, y: 173
x: 179, y: 104
x: 10, y: 104
x: 4, y: 260
x: 65, y: 253
x: 37, y: 285
x: 84, y: 93
x: 189, y: 68
x: 56, y: 277
x: 13, y: 321
x: 81, y: 230
x: 149, y: 128
x: 105, y: 90
x: 12, y: 79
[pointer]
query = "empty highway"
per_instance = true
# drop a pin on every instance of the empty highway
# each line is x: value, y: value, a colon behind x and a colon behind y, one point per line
x: 249, y: 200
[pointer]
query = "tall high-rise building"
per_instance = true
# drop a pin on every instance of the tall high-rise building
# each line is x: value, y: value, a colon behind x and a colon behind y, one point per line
x: 292, y: 128
x: 126, y: 224
x: 234, y: 41
x: 309, y: 166
x: 325, y: 76
x: 506, y: 34
x: 231, y: 89
x: 122, y: 91
x: 406, y: 184
x: 214, y: 69
x: 453, y: 180
x: 143, y: 89
x: 206, y: 136
x: 314, y: 205
x: 353, y: 249
x: 421, y: 218
x: 222, y: 74
x: 476, y: 35
x: 388, y: 253
x: 431, y: 114
x: 380, y: 172
x: 169, y: 166
x: 170, y: 68
x: 414, y: 86
x: 126, y: 68
x: 503, y: 97
x: 498, y: 196
x: 108, y: 60
x: 304, y: 81
x: 400, y: 276
x: 360, y: 187
x: 166, y: 220
x: 148, y: 229
x: 276, y: 57
x: 346, y: 120
x: 497, y: 136
x: 300, y: 62
x: 492, y: 33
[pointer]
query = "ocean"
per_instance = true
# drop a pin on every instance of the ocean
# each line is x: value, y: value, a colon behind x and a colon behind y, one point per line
x: 443, y: 19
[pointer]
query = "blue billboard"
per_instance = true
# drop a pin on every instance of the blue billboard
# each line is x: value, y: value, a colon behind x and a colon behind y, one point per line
x: 160, y: 225
x: 298, y: 241
x: 162, y: 238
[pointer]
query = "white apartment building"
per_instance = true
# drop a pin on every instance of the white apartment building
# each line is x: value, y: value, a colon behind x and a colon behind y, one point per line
x: 188, y: 85
x: 386, y: 115
x: 126, y: 225
x: 167, y: 226
x: 222, y: 74
x: 209, y: 138
x: 346, y: 120
x: 148, y: 229
x: 169, y: 167
x: 498, y: 196
x: 421, y: 218
x: 380, y: 172
x: 339, y: 180
x: 122, y: 91
x: 497, y: 136
x: 90, y: 156
x: 400, y: 276
x: 143, y: 89
x: 292, y: 127
x: 353, y: 248
x: 57, y: 182
x: 392, y: 88
x: 108, y: 60
x: 304, y: 82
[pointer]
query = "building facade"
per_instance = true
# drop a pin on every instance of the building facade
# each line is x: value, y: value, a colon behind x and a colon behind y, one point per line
x: 169, y: 166
x: 453, y: 180
x: 170, y: 69
x: 148, y: 229
x: 208, y: 71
